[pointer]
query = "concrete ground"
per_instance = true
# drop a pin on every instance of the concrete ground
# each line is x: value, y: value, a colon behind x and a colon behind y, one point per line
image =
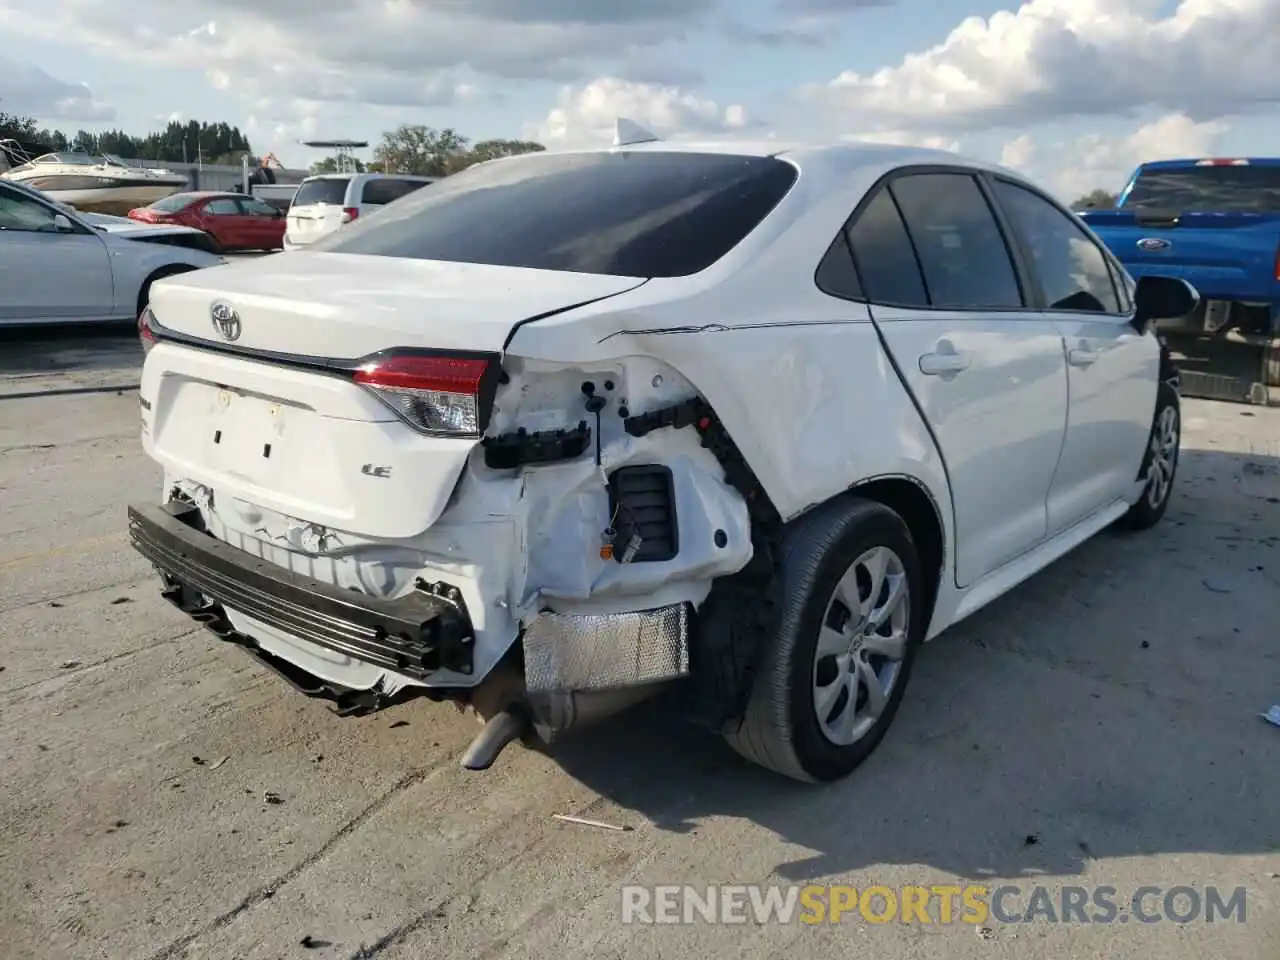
x: 1099, y: 726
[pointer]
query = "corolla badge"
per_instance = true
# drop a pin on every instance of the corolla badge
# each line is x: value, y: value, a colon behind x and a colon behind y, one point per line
x: 1153, y: 244
x: 225, y: 320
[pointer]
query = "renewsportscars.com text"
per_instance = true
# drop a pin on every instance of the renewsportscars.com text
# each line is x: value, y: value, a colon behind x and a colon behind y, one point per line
x: 937, y: 904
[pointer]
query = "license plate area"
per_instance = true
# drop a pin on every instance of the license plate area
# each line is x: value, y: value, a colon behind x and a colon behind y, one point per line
x: 245, y: 432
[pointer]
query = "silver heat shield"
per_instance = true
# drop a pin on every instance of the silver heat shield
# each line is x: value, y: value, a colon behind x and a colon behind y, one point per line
x: 606, y: 651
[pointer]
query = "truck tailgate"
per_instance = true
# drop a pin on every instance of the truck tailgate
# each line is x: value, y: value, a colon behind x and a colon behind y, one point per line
x: 1224, y: 255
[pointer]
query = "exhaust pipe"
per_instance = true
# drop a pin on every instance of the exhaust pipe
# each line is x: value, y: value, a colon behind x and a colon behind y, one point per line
x: 509, y: 713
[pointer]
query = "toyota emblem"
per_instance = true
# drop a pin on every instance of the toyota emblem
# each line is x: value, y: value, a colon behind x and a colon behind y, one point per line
x: 225, y: 320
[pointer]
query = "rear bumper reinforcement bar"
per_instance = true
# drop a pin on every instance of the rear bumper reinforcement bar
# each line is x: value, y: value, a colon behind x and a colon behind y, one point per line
x: 415, y: 635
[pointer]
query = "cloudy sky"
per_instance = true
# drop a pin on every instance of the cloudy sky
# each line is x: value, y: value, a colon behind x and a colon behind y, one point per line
x: 1074, y: 92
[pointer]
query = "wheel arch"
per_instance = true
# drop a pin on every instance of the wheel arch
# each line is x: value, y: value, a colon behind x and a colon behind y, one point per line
x: 159, y: 273
x: 911, y: 499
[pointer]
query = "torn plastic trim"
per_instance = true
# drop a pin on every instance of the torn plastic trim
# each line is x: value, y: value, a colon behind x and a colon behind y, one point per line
x: 521, y: 448
x: 697, y: 413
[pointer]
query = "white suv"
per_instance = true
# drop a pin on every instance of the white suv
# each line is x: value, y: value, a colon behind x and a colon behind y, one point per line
x: 753, y: 419
x: 326, y: 202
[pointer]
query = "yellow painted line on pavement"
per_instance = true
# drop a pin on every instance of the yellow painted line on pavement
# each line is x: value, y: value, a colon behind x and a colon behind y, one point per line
x: 78, y: 546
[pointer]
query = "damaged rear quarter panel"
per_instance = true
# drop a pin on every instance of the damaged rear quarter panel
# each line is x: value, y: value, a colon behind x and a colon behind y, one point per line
x: 564, y: 506
x: 799, y: 379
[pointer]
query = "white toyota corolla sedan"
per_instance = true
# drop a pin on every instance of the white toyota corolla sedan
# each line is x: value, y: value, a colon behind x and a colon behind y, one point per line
x: 749, y: 420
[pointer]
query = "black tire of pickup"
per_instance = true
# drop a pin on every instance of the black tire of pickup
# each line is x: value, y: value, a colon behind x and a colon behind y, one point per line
x: 1271, y: 364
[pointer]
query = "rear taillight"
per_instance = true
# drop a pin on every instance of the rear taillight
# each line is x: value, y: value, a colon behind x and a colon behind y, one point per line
x: 350, y: 213
x: 1276, y: 271
x: 145, y: 333
x: 440, y: 394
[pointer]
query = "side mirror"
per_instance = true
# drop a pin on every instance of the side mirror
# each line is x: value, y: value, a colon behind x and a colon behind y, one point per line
x: 1162, y: 298
x: 63, y: 224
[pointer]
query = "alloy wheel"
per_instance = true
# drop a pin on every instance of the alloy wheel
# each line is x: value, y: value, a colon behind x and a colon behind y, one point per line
x: 861, y: 645
x: 1164, y: 452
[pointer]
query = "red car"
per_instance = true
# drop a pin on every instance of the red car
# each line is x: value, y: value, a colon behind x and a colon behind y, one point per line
x: 235, y: 222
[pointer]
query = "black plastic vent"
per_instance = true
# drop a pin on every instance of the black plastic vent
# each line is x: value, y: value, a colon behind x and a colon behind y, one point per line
x: 642, y: 503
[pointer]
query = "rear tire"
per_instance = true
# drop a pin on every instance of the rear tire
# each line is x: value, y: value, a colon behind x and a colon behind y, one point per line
x: 853, y: 615
x: 1161, y: 460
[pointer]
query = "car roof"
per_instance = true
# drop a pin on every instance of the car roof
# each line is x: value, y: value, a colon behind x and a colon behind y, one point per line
x: 367, y: 176
x: 203, y: 194
x: 829, y: 160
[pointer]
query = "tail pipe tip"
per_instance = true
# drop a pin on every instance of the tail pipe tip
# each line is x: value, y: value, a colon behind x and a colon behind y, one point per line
x: 502, y: 729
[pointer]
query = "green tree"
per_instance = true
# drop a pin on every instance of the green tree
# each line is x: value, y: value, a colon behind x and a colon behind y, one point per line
x: 13, y: 127
x: 1098, y: 199
x: 416, y: 149
x: 33, y: 138
x: 496, y: 149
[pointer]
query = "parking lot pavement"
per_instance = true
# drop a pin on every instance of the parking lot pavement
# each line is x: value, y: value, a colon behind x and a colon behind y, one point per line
x: 164, y: 797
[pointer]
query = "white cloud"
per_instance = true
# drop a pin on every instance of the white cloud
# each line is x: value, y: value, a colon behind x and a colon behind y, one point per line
x: 28, y: 91
x: 586, y: 114
x: 396, y: 53
x: 1073, y: 168
x: 1019, y: 153
x: 1056, y: 58
x: 906, y: 138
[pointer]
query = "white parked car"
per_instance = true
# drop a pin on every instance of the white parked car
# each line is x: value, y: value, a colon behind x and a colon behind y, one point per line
x: 60, y: 266
x: 325, y: 202
x: 751, y: 418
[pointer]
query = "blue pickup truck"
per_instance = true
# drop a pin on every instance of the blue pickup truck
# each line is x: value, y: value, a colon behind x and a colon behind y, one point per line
x: 1215, y: 223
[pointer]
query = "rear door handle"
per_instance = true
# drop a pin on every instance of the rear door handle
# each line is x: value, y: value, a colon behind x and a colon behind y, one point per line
x: 1081, y: 357
x: 937, y: 364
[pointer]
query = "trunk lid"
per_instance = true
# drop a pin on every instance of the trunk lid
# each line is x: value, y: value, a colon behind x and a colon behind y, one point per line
x: 264, y: 424
x: 347, y: 306
x: 309, y: 223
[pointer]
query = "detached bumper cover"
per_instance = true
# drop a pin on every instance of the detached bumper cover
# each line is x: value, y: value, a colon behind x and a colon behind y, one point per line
x: 416, y: 635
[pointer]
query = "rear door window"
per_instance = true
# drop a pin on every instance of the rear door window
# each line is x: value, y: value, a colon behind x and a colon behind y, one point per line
x: 625, y: 213
x: 257, y: 208
x: 222, y: 207
x: 1072, y: 268
x: 385, y: 189
x: 331, y: 191
x: 172, y: 204
x: 963, y: 255
x: 1207, y: 189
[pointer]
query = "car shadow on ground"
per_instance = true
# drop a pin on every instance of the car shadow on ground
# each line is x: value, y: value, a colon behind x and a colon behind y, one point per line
x: 1106, y: 708
x: 71, y: 348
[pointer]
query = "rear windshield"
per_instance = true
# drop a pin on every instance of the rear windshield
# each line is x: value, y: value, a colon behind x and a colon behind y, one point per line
x: 1216, y: 189
x: 179, y: 201
x: 331, y: 190
x: 382, y: 191
x: 634, y: 214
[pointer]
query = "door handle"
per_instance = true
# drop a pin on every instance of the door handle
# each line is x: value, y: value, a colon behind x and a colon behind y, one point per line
x: 1081, y: 357
x: 937, y: 364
